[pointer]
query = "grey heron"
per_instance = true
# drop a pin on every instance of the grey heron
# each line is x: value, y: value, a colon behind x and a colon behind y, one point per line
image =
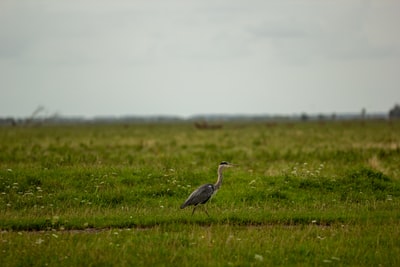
x: 203, y: 193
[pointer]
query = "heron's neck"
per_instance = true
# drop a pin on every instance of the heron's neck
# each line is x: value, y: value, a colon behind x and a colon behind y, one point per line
x: 217, y: 185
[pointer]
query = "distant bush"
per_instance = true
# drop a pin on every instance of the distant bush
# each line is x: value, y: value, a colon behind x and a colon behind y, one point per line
x: 394, y: 113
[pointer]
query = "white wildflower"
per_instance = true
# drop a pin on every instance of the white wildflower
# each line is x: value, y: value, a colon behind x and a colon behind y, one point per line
x: 39, y: 241
x: 258, y: 257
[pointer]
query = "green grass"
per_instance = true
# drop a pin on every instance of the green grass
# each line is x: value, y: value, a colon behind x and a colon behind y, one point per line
x: 303, y: 194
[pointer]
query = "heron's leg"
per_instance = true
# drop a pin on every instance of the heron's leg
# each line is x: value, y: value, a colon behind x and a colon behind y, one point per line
x: 205, y: 209
x: 194, y: 210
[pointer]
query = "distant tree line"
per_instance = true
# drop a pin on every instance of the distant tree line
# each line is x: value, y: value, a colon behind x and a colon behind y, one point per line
x: 201, y: 121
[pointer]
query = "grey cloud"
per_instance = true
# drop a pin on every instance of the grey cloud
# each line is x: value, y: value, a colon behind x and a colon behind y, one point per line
x: 267, y: 52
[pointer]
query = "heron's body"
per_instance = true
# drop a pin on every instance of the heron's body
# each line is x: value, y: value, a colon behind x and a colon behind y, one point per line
x: 200, y: 196
x: 203, y: 193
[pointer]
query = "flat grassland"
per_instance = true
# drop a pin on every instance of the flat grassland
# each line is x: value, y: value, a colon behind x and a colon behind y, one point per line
x: 304, y: 194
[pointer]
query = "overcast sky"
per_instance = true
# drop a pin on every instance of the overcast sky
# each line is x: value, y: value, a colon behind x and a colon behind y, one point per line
x: 107, y: 57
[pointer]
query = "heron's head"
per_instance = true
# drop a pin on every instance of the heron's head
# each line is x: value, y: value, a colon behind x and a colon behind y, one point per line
x: 225, y: 164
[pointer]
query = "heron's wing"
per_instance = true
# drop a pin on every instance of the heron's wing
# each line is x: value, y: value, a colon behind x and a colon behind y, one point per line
x: 199, y: 196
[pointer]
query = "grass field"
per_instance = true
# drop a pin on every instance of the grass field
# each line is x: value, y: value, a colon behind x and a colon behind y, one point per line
x: 100, y: 195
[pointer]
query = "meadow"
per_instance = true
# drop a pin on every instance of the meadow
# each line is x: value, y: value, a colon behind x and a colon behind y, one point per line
x: 303, y: 194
